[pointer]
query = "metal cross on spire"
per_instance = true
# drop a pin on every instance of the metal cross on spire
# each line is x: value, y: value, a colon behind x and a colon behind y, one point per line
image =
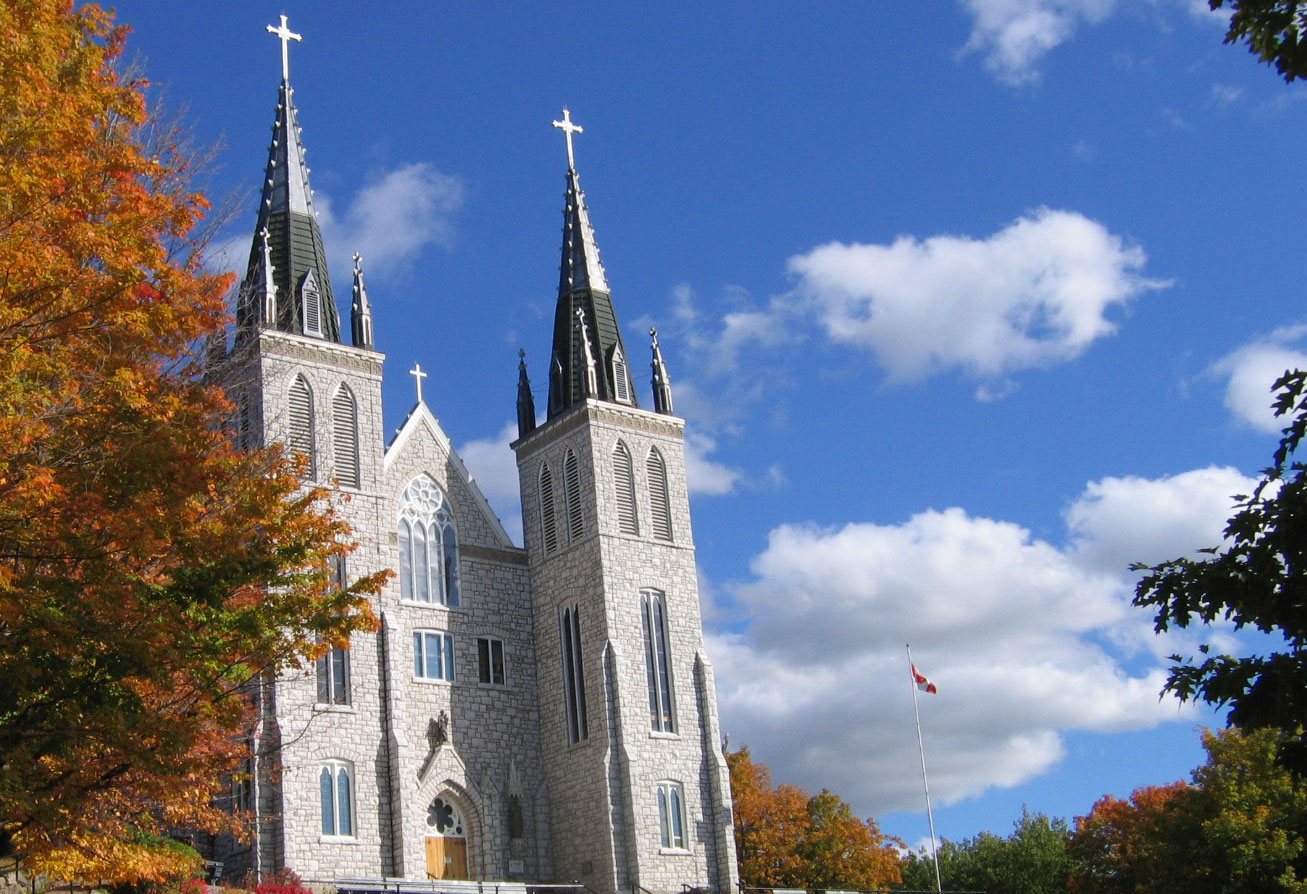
x: 286, y: 36
x: 567, y: 127
x: 417, y: 373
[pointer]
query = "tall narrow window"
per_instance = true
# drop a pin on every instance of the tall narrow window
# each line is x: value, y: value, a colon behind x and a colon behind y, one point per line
x: 572, y: 492
x: 311, y: 301
x: 621, y: 379
x: 624, y: 483
x: 569, y: 623
x: 490, y: 660
x: 428, y: 545
x: 345, y: 436
x: 336, y: 798
x: 548, y: 519
x: 433, y: 655
x: 657, y: 660
x: 333, y: 677
x: 300, y: 405
x: 658, y: 501
x: 671, y: 814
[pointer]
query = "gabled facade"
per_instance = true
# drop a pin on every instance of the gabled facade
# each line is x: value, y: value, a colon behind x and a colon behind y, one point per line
x: 544, y: 714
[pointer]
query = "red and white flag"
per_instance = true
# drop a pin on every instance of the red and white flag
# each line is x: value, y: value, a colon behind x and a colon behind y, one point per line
x: 922, y: 683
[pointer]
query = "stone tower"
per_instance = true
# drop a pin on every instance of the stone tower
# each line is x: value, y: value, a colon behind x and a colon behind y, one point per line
x: 637, y: 780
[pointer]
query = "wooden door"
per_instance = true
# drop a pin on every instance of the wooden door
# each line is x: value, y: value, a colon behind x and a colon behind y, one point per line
x: 447, y: 858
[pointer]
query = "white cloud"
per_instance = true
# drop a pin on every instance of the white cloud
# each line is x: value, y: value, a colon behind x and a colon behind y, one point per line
x: 1251, y: 370
x: 493, y: 465
x: 704, y: 475
x: 1015, y: 35
x: 1035, y: 293
x: 392, y: 218
x: 1224, y: 94
x: 1026, y: 639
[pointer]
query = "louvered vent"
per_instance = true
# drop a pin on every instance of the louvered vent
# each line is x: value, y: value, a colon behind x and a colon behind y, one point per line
x: 624, y: 480
x: 345, y: 437
x: 312, y: 301
x: 300, y: 405
x: 548, y: 522
x: 572, y: 490
x: 621, y: 380
x: 661, y: 508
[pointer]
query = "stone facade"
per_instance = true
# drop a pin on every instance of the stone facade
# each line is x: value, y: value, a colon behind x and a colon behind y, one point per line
x: 446, y: 744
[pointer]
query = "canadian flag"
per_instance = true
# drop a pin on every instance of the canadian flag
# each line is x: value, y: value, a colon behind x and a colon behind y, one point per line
x: 922, y: 683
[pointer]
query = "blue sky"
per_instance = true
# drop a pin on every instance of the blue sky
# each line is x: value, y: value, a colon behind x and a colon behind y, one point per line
x: 968, y: 305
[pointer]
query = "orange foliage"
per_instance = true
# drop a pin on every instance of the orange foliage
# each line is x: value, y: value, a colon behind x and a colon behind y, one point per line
x: 785, y: 838
x: 1133, y: 846
x: 148, y: 568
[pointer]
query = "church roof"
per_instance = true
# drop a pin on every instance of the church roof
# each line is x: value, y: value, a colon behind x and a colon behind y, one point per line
x: 304, y: 302
x: 586, y: 334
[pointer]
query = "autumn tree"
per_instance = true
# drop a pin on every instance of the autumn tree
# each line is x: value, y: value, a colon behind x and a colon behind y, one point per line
x: 1238, y: 828
x: 786, y: 838
x: 1258, y: 580
x: 148, y: 568
x: 1032, y: 860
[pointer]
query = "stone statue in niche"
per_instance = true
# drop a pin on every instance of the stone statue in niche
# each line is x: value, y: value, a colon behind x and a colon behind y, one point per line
x: 438, y: 731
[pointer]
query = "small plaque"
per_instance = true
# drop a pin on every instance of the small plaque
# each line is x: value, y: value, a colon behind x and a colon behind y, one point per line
x: 516, y: 867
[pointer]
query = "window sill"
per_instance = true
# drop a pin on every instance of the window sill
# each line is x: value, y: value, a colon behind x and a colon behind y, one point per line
x: 328, y: 708
x: 338, y: 839
x: 675, y: 852
x: 654, y: 734
x: 502, y: 687
x: 417, y: 603
x: 433, y: 681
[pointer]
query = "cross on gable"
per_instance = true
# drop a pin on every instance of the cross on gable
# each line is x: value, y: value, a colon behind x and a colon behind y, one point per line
x: 417, y: 373
x: 568, y: 128
x: 286, y: 36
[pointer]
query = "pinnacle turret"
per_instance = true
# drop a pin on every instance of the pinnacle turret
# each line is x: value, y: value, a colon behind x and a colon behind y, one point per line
x: 662, y: 383
x: 361, y: 308
x: 526, y: 405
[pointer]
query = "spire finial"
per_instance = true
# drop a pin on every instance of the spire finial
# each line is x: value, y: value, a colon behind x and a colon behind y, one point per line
x: 417, y: 373
x: 286, y: 36
x: 568, y: 128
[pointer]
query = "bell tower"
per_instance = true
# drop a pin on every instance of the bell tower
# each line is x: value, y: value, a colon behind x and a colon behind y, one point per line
x: 637, y: 780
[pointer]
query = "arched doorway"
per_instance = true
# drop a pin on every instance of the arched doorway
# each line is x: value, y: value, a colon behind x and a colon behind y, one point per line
x: 446, y: 840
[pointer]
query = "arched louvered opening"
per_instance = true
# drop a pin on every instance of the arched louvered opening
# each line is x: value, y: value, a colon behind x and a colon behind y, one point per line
x: 345, y: 436
x: 572, y: 491
x: 624, y: 483
x: 621, y: 378
x: 658, y: 502
x: 300, y: 406
x: 311, y: 302
x: 548, y: 519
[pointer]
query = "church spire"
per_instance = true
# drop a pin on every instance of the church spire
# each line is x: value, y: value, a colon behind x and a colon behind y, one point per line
x: 304, y: 301
x: 584, y: 303
x: 526, y: 405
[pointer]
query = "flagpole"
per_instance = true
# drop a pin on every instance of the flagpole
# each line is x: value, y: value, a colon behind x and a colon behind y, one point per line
x: 921, y: 748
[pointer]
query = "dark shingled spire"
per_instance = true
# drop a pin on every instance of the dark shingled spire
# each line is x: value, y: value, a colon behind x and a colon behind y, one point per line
x: 526, y: 405
x: 584, y: 305
x: 304, y: 302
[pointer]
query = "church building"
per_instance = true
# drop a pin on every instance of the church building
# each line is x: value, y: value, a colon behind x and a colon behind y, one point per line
x: 538, y: 715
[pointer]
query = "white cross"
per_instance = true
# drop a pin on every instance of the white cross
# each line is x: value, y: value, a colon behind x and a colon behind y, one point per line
x: 417, y: 373
x: 567, y: 127
x: 286, y: 35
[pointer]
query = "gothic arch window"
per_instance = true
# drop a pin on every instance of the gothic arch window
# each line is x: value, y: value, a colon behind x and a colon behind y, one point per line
x: 624, y: 483
x: 569, y: 628
x: 658, y: 661
x: 300, y: 406
x: 345, y: 436
x: 621, y: 378
x: 671, y: 814
x: 548, y: 517
x: 336, y: 798
x: 659, y: 504
x: 516, y: 820
x: 428, y: 545
x: 572, y: 494
x: 311, y: 304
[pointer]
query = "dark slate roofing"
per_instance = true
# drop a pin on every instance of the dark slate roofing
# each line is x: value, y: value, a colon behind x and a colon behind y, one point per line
x: 295, y: 240
x: 583, y: 285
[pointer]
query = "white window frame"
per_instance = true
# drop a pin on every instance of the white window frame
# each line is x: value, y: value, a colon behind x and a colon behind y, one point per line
x: 333, y: 819
x: 428, y: 545
x: 671, y: 815
x: 658, y: 661
x: 425, y: 643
